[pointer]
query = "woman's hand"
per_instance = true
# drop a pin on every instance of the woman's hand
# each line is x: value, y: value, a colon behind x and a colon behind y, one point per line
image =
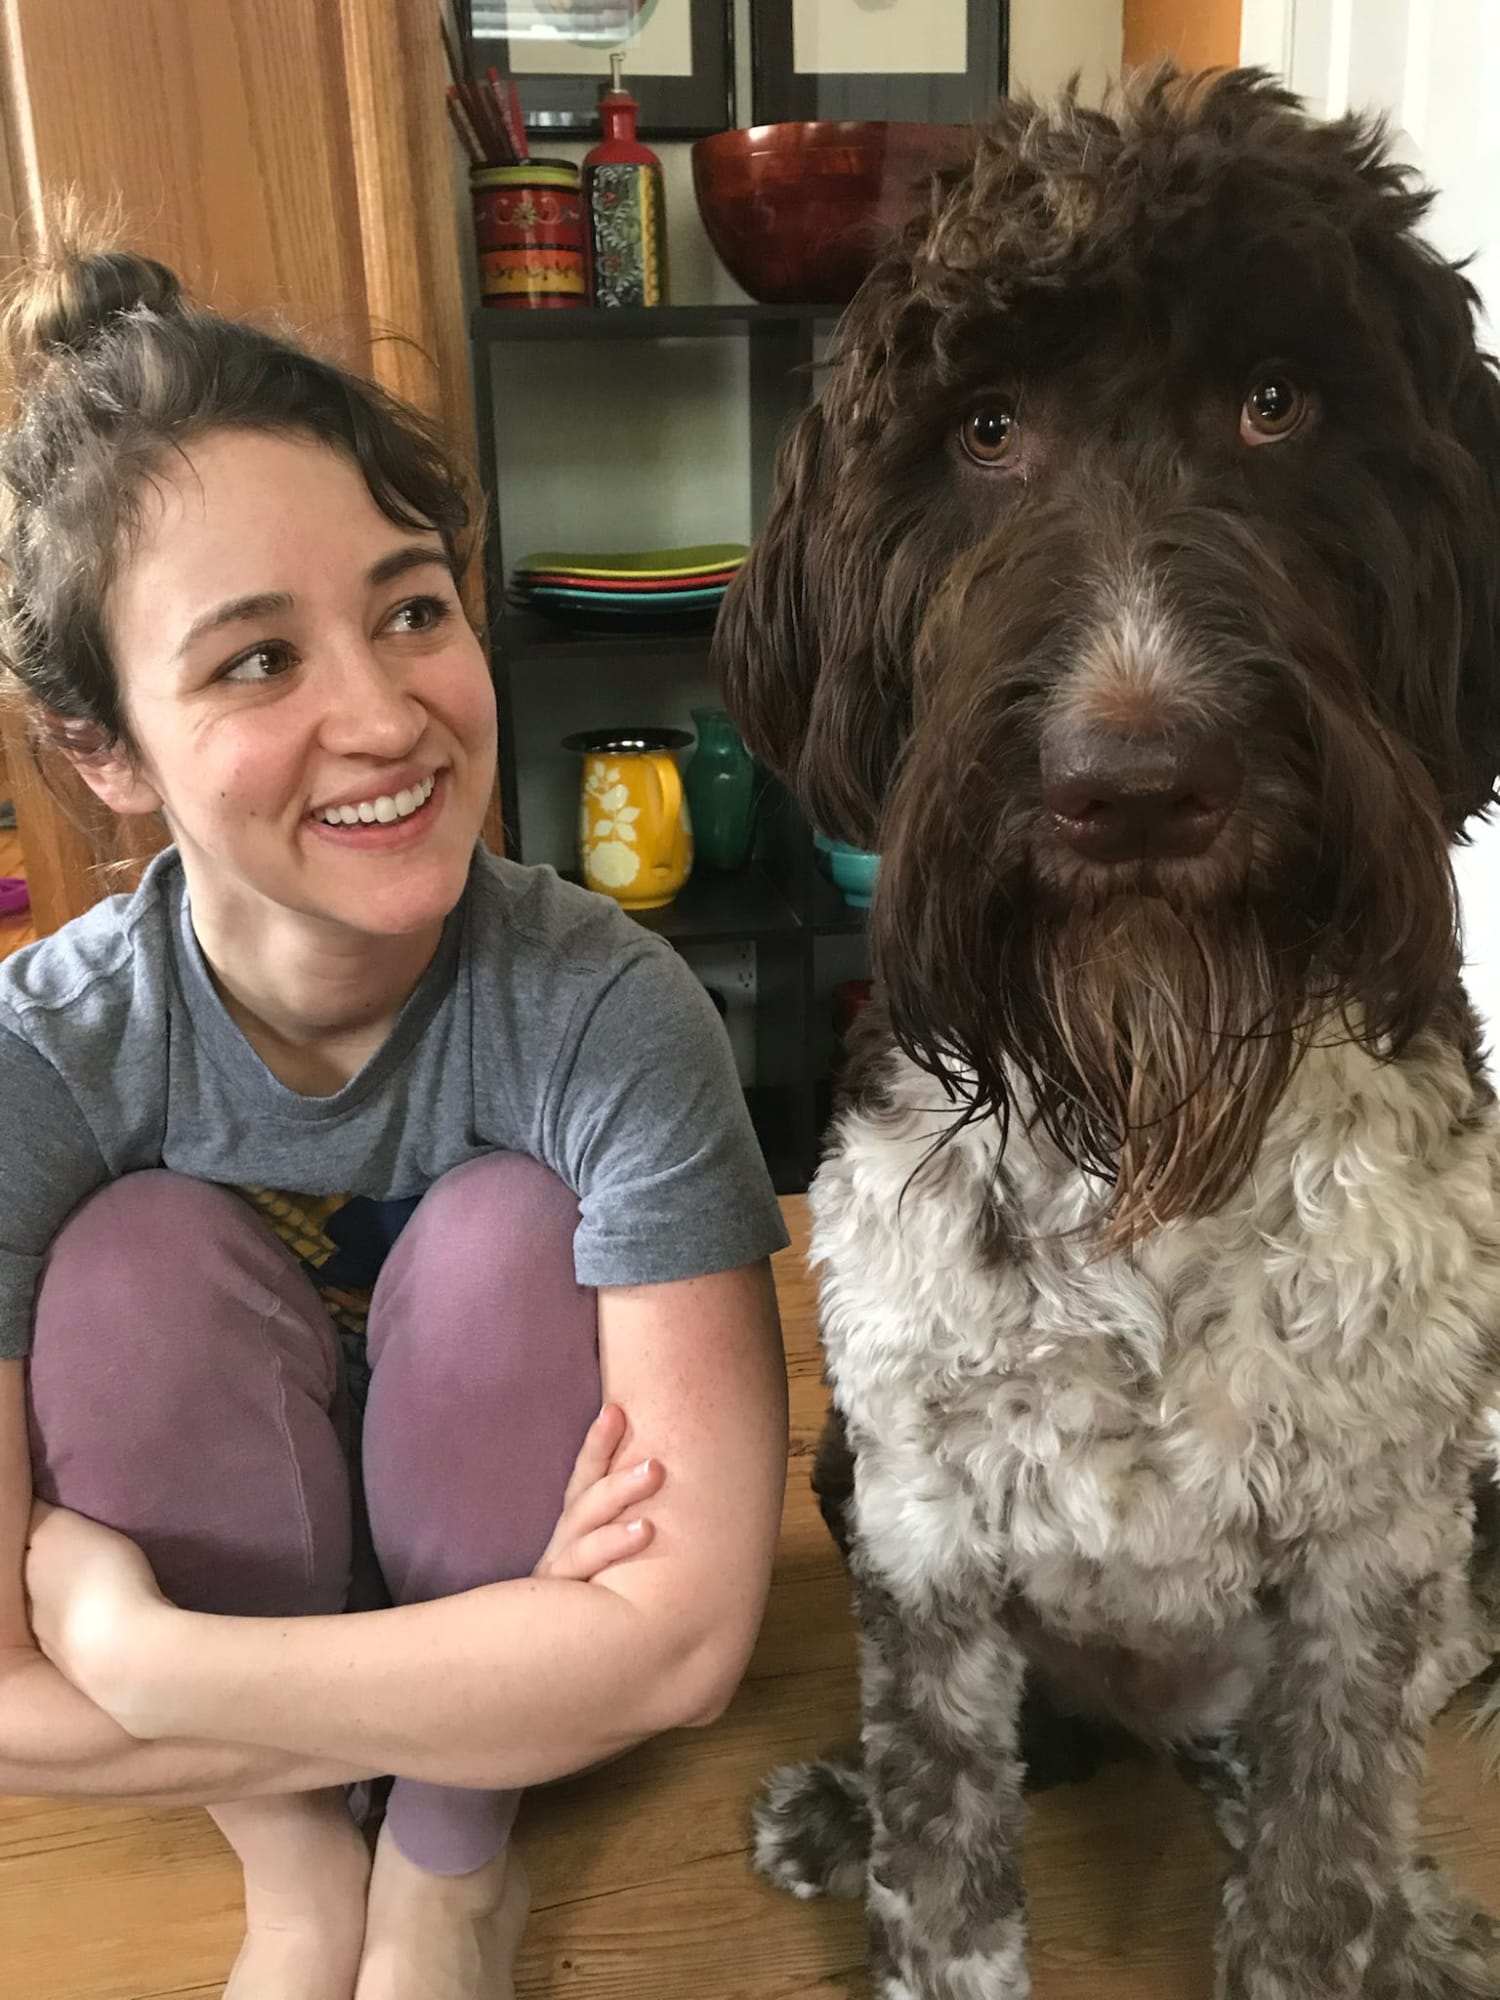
x: 93, y: 1603
x: 598, y: 1526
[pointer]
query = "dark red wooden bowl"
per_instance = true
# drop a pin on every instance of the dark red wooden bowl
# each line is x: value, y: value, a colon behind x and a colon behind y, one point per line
x: 798, y: 212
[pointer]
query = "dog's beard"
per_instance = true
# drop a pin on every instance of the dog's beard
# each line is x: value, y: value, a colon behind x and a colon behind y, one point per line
x: 1154, y: 1044
x: 1149, y: 1038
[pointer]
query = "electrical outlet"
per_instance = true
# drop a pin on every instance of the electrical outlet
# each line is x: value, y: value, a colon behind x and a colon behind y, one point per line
x: 729, y: 970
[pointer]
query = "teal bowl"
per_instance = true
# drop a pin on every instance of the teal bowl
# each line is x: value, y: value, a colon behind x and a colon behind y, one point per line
x: 853, y: 869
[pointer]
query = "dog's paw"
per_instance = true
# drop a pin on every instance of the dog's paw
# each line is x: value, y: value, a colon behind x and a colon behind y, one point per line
x: 1450, y: 1951
x: 812, y: 1828
x: 1262, y: 1959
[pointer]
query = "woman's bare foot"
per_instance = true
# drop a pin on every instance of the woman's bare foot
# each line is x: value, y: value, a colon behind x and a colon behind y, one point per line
x: 442, y: 1937
x: 296, y: 1953
x: 307, y: 1871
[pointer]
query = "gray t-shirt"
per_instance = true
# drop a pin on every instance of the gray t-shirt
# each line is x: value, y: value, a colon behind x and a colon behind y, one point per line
x: 548, y: 1024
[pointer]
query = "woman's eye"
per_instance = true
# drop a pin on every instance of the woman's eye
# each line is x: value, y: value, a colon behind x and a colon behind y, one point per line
x: 420, y: 614
x: 261, y: 663
x: 1274, y: 408
x: 988, y: 433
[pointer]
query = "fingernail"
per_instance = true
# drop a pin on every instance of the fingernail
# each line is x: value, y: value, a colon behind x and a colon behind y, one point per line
x: 645, y: 1469
x: 635, y: 1527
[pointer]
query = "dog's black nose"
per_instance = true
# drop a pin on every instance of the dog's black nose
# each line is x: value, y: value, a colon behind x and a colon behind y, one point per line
x: 1114, y: 797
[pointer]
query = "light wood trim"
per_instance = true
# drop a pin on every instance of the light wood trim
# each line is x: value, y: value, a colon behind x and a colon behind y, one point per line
x: 57, y: 851
x: 1198, y: 34
x: 395, y: 73
x: 408, y: 225
x: 59, y: 856
x: 218, y: 128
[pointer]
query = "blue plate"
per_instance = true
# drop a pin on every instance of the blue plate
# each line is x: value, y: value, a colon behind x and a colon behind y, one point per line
x: 626, y: 603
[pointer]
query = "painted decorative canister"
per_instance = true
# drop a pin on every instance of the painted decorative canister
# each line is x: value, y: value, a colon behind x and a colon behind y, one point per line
x: 635, y: 838
x: 528, y: 223
x: 625, y: 207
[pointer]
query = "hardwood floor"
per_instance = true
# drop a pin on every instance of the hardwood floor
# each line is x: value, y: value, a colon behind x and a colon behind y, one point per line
x: 642, y: 1887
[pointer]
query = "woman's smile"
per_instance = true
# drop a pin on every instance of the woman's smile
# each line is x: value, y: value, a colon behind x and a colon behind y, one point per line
x: 379, y: 821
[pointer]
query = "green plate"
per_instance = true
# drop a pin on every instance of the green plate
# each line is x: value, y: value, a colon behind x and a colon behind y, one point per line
x: 635, y: 562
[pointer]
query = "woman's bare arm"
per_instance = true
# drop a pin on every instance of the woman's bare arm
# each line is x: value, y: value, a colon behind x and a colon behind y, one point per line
x: 54, y: 1742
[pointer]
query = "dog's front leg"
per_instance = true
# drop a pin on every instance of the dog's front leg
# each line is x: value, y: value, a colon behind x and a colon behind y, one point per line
x: 1334, y: 1762
x: 941, y: 1688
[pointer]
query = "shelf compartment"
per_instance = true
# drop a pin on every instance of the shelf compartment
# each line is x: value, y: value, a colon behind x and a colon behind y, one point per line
x: 821, y: 908
x: 524, y: 639
x: 742, y: 907
x: 787, y: 1138
x: 491, y: 324
x: 746, y: 906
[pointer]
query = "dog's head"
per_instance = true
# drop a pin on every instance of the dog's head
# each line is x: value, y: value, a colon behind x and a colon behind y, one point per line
x: 1134, y: 587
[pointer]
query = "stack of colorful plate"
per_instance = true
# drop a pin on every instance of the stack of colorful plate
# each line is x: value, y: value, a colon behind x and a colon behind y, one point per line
x: 634, y: 590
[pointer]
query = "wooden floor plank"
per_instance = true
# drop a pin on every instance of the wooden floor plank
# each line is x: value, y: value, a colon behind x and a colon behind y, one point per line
x: 643, y: 1890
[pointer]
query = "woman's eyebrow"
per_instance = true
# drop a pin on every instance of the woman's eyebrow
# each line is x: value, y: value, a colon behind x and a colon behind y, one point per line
x: 267, y: 603
x: 413, y: 555
x: 263, y: 604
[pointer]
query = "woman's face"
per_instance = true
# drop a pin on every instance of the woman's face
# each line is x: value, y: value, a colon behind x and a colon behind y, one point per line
x: 309, y: 706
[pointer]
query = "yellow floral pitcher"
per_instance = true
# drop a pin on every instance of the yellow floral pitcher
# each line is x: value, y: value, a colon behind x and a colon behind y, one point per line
x: 635, y: 839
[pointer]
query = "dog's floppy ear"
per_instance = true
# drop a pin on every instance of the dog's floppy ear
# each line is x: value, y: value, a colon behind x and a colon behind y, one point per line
x: 765, y: 646
x: 805, y: 670
x: 1476, y: 426
x: 1445, y: 679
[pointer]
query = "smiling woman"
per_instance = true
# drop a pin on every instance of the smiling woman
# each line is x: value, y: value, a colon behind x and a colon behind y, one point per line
x: 368, y: 1149
x: 355, y: 681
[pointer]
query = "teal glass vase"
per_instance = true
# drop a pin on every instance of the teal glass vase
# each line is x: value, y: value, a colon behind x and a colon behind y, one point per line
x: 720, y: 785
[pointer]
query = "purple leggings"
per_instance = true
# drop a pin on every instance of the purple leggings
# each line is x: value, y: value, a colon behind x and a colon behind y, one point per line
x: 185, y: 1389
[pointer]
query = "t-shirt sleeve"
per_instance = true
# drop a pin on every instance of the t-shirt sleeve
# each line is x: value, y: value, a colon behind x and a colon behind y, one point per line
x: 49, y: 1160
x: 649, y: 1125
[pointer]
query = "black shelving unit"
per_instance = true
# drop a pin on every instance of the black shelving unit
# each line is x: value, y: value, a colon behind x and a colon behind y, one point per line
x: 780, y: 905
x: 642, y: 322
x: 525, y: 639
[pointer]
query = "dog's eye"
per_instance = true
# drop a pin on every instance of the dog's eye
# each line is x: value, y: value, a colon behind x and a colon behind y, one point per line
x: 1274, y: 408
x: 988, y: 433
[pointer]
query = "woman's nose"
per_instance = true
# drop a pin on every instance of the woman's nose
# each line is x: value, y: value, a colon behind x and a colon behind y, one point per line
x: 371, y: 707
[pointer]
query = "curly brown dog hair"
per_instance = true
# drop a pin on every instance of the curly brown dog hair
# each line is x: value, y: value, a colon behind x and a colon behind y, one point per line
x: 1032, y: 443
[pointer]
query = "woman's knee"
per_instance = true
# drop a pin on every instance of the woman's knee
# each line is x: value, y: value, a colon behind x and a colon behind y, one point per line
x: 488, y: 1252
x: 485, y: 1379
x: 503, y: 1210
x: 183, y: 1387
x: 133, y: 1256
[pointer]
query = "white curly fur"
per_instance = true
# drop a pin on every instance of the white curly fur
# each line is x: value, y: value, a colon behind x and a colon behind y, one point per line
x: 1135, y: 1441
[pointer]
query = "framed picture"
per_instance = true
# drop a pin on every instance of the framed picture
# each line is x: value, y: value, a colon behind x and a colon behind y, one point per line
x: 679, y: 61
x: 940, y: 61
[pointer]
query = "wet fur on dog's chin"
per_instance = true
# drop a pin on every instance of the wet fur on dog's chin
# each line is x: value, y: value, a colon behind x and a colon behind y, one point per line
x: 1151, y: 1043
x: 1154, y: 1045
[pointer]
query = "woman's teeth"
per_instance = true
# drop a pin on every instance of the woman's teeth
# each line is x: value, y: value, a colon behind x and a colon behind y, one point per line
x: 387, y: 807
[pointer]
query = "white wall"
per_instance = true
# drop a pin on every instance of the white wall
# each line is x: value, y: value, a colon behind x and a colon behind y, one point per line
x: 1434, y: 67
